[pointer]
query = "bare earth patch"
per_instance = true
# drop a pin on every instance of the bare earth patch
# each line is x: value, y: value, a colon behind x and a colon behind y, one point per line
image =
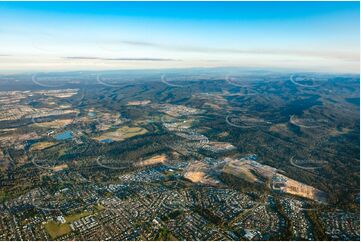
x: 250, y: 170
x: 219, y: 146
x: 158, y: 159
x: 296, y: 188
x: 59, y: 167
x: 139, y: 103
x: 198, y: 172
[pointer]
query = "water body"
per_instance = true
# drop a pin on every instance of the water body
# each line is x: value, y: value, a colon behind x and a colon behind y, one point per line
x: 91, y: 114
x: 106, y: 140
x: 63, y: 136
x: 354, y: 101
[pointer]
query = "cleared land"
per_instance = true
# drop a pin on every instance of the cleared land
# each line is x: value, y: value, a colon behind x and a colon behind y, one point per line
x: 238, y: 168
x: 138, y: 103
x: 251, y: 171
x: 59, y: 123
x: 198, y: 172
x: 59, y: 167
x: 220, y: 146
x: 122, y: 133
x: 158, y: 159
x: 41, y: 145
x: 296, y: 188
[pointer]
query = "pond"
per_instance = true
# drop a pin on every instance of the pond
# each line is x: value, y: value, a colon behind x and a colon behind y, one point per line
x: 106, y: 140
x: 63, y: 136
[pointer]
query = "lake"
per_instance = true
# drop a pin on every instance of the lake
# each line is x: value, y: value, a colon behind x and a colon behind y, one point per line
x: 63, y: 136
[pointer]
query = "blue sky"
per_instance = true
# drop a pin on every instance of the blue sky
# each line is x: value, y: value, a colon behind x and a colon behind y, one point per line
x: 43, y: 36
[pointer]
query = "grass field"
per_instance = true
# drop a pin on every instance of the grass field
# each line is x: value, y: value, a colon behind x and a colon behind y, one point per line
x: 77, y: 216
x: 55, y: 124
x: 3, y: 196
x: 56, y: 230
x: 122, y: 133
x: 41, y: 145
x: 129, y: 132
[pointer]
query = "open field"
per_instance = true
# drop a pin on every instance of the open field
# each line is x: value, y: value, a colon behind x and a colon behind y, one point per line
x: 238, y: 168
x: 59, y: 123
x: 139, y: 103
x: 59, y: 167
x: 219, y: 146
x: 42, y: 145
x: 56, y: 229
x: 198, y: 172
x: 122, y: 133
x: 253, y: 171
x: 61, y: 93
x: 77, y: 216
x: 158, y: 159
x: 19, y: 138
x: 296, y: 188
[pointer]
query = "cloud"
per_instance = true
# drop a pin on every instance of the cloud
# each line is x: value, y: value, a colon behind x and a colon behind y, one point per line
x: 140, y: 43
x: 117, y: 59
x: 348, y: 56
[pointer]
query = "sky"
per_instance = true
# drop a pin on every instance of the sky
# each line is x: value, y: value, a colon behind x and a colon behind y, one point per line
x: 62, y: 36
